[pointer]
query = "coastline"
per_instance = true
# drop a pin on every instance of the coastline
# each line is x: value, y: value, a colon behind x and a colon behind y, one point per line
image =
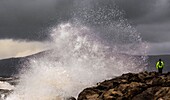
x: 131, y: 86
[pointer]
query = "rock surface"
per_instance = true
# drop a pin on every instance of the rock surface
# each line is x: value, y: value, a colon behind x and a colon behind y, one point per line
x: 131, y: 86
x: 6, y: 86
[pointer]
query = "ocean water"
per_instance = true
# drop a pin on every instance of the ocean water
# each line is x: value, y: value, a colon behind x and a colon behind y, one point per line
x: 94, y: 45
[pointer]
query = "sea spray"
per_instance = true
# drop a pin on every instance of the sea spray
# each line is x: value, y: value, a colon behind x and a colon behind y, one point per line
x: 75, y: 62
x: 83, y: 53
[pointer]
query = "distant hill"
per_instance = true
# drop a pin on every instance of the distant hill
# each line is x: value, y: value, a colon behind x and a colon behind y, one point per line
x: 11, y: 66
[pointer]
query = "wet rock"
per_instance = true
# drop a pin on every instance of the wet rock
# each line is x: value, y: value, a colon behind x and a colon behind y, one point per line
x: 71, y: 98
x: 89, y: 94
x: 131, y: 86
x: 147, y: 94
x: 112, y: 94
x: 7, y: 86
x: 163, y: 93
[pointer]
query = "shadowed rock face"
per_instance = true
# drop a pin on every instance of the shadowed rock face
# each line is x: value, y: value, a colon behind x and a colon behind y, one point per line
x: 141, y: 86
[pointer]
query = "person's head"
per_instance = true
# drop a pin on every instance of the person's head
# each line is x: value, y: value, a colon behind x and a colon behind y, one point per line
x: 160, y: 60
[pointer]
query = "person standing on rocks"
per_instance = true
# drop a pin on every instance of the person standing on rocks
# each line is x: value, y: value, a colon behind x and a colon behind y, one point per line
x: 160, y: 66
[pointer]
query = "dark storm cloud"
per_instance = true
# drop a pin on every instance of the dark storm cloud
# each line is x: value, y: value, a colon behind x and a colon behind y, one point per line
x: 135, y: 9
x: 29, y: 19
x: 145, y: 11
x: 155, y: 33
x: 150, y: 17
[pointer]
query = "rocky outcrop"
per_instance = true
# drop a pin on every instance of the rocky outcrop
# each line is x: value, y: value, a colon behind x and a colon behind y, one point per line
x: 131, y: 86
x: 7, y: 86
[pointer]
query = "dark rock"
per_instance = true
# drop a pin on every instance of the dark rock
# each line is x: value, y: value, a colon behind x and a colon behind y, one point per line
x: 112, y: 94
x: 147, y: 94
x: 71, y: 98
x: 131, y: 86
x: 89, y: 94
x: 162, y: 93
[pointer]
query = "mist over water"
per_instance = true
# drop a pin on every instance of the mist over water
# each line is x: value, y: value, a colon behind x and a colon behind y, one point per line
x: 89, y: 48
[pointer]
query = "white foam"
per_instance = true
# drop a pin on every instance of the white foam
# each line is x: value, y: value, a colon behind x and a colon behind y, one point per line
x: 80, y: 58
x: 75, y: 63
x: 6, y: 86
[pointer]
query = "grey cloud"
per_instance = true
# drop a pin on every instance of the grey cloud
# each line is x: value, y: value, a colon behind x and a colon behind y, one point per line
x: 145, y: 11
x: 159, y: 48
x: 155, y: 33
x: 135, y: 9
x: 158, y: 14
x: 150, y: 17
x: 30, y: 19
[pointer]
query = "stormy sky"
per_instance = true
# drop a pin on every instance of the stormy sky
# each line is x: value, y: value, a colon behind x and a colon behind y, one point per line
x: 30, y: 20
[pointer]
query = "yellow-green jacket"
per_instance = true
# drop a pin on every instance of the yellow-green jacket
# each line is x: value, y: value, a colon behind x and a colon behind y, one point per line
x: 160, y: 66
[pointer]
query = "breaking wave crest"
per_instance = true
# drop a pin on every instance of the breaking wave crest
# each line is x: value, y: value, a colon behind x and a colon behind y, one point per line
x: 80, y: 56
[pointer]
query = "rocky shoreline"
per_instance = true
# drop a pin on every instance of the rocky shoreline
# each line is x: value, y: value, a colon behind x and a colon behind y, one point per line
x: 131, y: 86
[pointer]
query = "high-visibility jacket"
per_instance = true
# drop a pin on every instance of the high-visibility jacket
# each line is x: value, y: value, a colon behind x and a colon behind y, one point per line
x: 158, y: 65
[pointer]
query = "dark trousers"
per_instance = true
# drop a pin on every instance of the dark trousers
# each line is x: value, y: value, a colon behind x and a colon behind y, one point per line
x: 160, y: 70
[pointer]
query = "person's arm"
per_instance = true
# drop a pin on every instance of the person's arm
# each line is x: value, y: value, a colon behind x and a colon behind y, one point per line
x: 157, y: 65
x: 163, y: 64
